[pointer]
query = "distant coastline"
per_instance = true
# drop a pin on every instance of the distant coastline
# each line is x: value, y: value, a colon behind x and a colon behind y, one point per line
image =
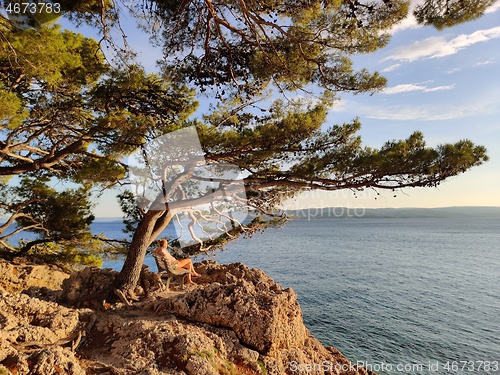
x: 487, y: 212
x: 387, y: 213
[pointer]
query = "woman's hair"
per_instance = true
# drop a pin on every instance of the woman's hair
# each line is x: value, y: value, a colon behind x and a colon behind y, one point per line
x: 163, y: 242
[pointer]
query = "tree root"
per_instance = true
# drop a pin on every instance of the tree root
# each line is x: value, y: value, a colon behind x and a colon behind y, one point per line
x: 121, y: 295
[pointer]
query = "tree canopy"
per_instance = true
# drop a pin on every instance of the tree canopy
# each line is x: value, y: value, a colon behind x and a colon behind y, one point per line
x: 288, y: 44
x: 442, y: 14
x: 68, y: 115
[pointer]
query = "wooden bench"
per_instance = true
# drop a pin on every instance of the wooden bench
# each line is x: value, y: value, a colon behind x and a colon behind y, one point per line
x: 171, y: 272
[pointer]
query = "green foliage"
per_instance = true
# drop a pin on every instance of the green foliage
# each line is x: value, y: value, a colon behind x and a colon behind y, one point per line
x: 459, y: 157
x: 11, y: 111
x: 130, y: 209
x: 99, y: 171
x: 61, y: 220
x: 447, y: 13
x: 251, y: 44
x: 138, y: 105
x: 49, y: 56
x: 67, y: 115
x: 92, y: 12
x: 54, y: 215
x: 88, y: 252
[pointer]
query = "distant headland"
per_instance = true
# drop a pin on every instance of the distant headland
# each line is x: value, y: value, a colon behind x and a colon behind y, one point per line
x: 487, y: 212
x: 372, y: 213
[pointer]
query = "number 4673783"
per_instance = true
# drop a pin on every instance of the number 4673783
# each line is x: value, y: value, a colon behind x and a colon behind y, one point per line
x: 32, y: 8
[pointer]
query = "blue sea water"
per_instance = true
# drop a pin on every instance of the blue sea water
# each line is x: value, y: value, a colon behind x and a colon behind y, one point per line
x: 401, y: 296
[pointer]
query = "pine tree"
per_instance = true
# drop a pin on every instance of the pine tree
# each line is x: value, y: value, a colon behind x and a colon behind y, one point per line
x: 67, y: 114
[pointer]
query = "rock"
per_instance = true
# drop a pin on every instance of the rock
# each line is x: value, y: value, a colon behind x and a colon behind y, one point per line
x: 150, y: 282
x: 55, y: 361
x: 237, y: 320
x: 264, y: 316
x: 90, y: 286
x: 84, y: 287
x: 15, y: 278
x: 31, y: 332
x: 34, y: 322
x: 48, y: 361
x: 165, y: 344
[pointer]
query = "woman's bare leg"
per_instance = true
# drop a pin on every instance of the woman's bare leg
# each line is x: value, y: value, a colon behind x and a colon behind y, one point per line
x: 187, y: 264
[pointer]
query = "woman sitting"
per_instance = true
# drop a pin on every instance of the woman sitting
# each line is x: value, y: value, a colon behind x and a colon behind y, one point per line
x: 186, y: 263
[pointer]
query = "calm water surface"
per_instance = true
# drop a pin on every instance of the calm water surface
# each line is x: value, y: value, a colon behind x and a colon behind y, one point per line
x: 405, y: 293
x: 404, y: 296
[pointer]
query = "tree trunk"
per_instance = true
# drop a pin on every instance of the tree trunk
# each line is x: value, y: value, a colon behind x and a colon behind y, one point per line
x: 161, y: 224
x: 131, y: 271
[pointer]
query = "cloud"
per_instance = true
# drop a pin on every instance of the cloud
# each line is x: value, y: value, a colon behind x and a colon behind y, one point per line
x: 411, y: 87
x: 429, y: 112
x: 495, y: 7
x: 439, y: 46
x: 415, y: 113
x: 453, y: 70
x: 340, y: 106
x: 386, y: 109
x: 391, y: 68
x: 410, y: 21
x: 486, y: 62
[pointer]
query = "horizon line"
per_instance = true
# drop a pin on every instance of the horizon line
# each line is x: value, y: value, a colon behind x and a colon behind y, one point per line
x: 366, y: 208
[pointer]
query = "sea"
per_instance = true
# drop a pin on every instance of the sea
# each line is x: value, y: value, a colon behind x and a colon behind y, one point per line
x: 399, y: 296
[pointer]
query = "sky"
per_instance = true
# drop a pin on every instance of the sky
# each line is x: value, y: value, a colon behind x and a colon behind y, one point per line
x: 443, y: 83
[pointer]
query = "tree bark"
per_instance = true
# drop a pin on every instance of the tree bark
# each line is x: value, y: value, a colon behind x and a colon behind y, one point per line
x: 29, y: 245
x: 131, y: 271
x: 161, y: 224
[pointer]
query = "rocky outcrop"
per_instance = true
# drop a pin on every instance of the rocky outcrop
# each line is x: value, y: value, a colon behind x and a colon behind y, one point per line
x: 34, y: 336
x: 263, y: 315
x: 235, y: 321
x: 20, y: 275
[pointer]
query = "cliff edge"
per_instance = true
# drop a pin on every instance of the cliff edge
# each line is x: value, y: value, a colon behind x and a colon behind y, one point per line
x: 237, y: 320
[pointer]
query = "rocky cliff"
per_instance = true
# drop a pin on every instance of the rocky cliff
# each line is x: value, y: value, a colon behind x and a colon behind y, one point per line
x: 237, y: 320
x: 20, y: 274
